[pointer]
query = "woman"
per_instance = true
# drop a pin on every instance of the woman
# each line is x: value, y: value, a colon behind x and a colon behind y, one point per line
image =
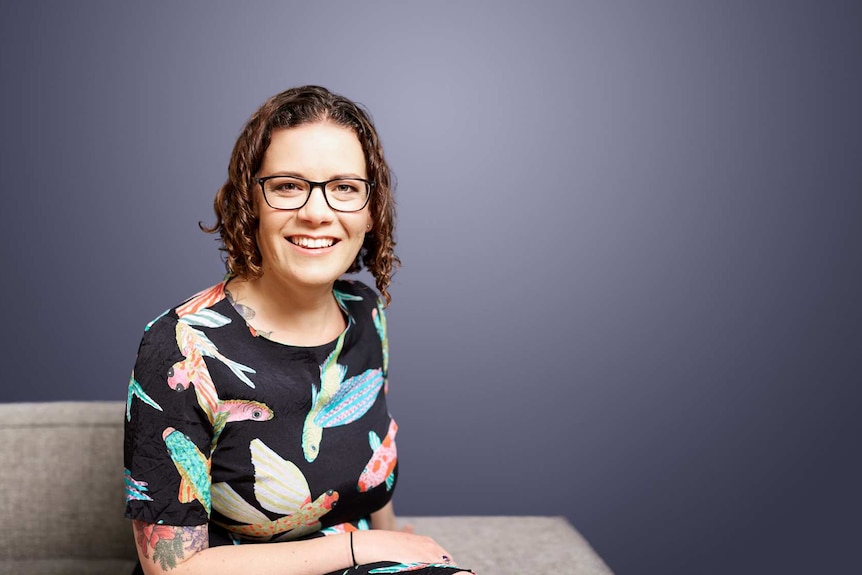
x: 257, y: 409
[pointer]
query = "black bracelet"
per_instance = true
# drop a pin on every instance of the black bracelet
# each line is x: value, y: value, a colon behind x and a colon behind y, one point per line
x: 352, y: 555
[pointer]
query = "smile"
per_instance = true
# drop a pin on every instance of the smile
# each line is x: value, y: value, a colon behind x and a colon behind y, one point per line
x: 312, y: 243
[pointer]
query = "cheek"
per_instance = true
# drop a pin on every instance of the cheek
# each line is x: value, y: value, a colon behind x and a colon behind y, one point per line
x: 269, y: 231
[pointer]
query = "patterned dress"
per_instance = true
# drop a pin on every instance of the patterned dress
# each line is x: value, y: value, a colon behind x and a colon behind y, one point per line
x: 259, y: 440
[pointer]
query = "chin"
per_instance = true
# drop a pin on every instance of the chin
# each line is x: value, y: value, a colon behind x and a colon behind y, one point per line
x: 317, y: 278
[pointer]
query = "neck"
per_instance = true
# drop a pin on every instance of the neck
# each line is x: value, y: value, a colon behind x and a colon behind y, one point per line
x: 286, y: 313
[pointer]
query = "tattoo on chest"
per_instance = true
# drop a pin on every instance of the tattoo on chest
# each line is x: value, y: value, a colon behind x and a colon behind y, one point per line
x: 246, y: 312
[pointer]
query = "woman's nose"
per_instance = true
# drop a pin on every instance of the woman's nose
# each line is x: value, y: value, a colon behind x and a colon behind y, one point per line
x: 316, y: 209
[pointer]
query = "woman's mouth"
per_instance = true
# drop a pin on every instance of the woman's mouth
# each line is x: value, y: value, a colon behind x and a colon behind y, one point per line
x: 312, y: 243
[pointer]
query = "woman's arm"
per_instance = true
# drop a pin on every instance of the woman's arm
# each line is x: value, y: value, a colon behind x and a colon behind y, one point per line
x: 185, y: 551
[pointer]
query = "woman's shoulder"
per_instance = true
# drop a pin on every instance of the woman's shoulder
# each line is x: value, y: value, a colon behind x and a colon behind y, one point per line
x: 358, y: 300
x: 355, y: 290
x: 191, y: 307
x: 163, y: 333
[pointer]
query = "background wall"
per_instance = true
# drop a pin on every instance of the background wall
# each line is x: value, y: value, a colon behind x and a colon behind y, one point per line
x: 630, y: 232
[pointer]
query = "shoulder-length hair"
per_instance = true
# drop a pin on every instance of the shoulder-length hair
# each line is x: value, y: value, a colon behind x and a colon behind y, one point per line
x: 236, y: 222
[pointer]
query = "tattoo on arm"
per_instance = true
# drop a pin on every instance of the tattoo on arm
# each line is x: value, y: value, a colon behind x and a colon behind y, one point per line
x: 169, y: 545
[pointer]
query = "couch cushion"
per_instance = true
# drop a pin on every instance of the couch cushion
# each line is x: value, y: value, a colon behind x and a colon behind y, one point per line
x: 502, y: 545
x: 66, y: 567
x: 61, y: 472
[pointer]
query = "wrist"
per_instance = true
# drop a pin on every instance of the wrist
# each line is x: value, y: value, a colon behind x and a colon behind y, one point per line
x: 352, y: 557
x: 367, y: 546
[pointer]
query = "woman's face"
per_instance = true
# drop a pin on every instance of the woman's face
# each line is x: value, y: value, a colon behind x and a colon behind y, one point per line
x: 312, y: 245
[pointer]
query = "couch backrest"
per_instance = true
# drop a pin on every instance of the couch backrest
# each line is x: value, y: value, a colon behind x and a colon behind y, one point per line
x: 61, y: 487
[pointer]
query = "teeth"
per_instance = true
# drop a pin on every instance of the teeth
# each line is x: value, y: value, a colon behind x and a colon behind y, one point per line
x: 312, y: 242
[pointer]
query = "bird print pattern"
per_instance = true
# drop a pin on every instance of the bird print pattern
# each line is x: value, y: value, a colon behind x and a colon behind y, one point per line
x: 381, y: 466
x: 261, y: 441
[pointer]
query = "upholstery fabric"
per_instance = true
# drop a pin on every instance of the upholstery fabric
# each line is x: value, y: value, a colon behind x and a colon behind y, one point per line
x: 62, y: 500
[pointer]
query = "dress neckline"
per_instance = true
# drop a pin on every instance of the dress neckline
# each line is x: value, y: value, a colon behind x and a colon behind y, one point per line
x: 348, y: 319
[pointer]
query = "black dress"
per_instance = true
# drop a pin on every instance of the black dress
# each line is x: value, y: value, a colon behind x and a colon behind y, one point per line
x: 259, y: 440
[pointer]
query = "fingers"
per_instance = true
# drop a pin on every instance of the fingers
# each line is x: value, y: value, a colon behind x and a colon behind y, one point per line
x: 446, y: 557
x: 400, y: 546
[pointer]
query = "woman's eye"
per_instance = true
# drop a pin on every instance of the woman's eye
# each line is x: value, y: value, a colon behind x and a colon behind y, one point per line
x: 287, y: 187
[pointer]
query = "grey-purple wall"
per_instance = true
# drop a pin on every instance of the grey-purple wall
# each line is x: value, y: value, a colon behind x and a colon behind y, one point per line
x: 630, y: 231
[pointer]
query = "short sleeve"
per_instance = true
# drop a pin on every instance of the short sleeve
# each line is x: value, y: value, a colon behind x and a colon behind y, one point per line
x: 167, y: 433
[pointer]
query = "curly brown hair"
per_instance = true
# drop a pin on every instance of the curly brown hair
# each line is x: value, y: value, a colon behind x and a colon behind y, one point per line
x: 236, y: 222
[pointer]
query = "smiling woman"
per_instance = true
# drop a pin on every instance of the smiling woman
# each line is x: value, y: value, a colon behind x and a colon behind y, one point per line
x: 258, y: 437
x: 306, y: 239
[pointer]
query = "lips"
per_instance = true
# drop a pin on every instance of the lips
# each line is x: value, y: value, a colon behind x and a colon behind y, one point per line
x: 312, y: 243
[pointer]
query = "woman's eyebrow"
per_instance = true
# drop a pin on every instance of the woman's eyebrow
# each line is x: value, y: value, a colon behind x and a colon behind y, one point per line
x: 286, y: 173
x: 347, y: 176
x: 339, y: 176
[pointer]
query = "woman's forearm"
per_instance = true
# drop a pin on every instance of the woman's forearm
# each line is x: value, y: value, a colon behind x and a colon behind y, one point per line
x: 308, y: 557
x: 184, y: 551
x: 161, y: 554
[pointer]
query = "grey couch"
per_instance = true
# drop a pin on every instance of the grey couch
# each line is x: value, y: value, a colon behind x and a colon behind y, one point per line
x: 61, y: 505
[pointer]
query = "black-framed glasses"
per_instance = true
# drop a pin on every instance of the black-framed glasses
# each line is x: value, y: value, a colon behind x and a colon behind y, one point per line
x: 292, y: 192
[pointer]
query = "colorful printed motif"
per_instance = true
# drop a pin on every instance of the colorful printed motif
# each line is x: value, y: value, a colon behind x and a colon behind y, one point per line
x: 194, y: 344
x: 135, y: 489
x: 280, y: 487
x: 403, y: 567
x: 219, y: 413
x: 203, y: 299
x: 155, y: 319
x: 192, y: 465
x: 239, y: 410
x: 135, y: 390
x: 361, y: 525
x: 379, y: 318
x: 353, y: 398
x: 193, y: 370
x: 381, y: 466
x: 342, y: 299
x: 338, y: 402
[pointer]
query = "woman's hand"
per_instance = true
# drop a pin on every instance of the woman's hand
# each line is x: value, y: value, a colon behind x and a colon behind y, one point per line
x: 386, y: 542
x: 400, y: 546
